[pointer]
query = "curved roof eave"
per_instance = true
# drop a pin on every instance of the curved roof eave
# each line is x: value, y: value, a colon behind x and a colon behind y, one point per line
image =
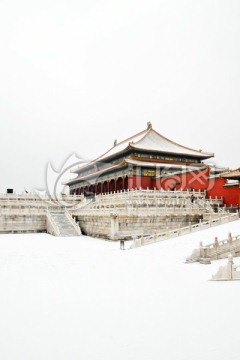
x: 106, y: 156
x: 97, y: 173
x: 192, y: 152
x: 154, y: 139
x: 97, y: 161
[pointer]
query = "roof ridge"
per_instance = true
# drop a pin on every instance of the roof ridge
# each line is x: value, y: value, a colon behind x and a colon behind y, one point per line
x: 147, y: 132
x: 131, y: 137
x: 229, y: 172
x: 131, y: 144
x: 120, y: 143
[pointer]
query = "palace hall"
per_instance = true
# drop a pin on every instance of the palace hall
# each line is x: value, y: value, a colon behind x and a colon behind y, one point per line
x: 146, y: 160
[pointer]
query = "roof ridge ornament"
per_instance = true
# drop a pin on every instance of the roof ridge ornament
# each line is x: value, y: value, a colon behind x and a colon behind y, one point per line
x: 115, y: 142
x: 149, y: 125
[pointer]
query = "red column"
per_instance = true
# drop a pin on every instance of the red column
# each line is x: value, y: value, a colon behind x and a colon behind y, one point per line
x: 130, y: 182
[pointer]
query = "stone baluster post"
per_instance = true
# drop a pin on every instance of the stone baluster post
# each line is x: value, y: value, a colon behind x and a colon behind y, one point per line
x: 215, y: 245
x: 230, y: 239
x: 179, y: 229
x: 114, y: 225
x: 190, y: 226
x: 155, y: 236
x: 230, y: 267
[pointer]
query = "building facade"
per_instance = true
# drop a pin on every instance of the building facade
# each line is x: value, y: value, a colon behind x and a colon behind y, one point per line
x: 144, y: 160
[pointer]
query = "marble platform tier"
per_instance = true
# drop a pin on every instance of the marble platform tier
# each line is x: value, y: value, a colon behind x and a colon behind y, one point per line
x: 32, y: 213
x: 143, y: 213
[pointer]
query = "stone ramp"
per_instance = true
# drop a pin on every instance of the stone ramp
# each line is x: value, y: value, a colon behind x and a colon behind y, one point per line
x: 61, y: 223
x: 219, y: 249
x: 168, y: 234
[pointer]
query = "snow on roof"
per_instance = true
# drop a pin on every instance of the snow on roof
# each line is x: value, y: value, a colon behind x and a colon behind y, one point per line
x: 153, y: 141
x: 149, y: 140
x: 117, y: 148
x: 217, y: 169
x: 96, y: 173
x: 231, y: 182
x: 231, y: 174
x: 156, y: 142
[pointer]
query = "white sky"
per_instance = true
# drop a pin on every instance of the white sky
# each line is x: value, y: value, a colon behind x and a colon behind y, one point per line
x: 75, y: 75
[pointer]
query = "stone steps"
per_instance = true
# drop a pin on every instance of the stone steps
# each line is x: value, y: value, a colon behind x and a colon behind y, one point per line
x: 63, y: 223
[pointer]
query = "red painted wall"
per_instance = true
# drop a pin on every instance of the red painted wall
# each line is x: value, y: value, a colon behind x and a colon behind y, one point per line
x: 231, y: 195
x: 143, y: 182
x: 197, y: 180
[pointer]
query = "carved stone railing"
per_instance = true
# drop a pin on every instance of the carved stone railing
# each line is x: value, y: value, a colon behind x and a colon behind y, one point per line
x: 229, y: 272
x: 156, y: 237
x: 148, y: 193
x: 142, y: 212
x: 85, y: 203
x: 34, y: 200
x: 13, y: 211
x: 216, y: 250
x: 35, y: 197
x: 143, y: 202
x: 156, y: 199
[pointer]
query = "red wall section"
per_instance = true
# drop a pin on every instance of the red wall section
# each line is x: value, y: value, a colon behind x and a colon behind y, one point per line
x: 143, y: 182
x: 216, y: 187
x: 231, y: 195
x: 197, y: 180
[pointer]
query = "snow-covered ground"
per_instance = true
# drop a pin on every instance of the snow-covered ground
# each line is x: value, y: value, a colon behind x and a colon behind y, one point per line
x: 84, y: 299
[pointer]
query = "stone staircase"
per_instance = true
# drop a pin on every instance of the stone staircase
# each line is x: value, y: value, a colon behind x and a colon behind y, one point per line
x: 61, y: 223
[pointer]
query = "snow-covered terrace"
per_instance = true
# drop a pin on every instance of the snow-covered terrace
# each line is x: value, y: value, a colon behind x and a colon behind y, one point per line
x: 81, y: 298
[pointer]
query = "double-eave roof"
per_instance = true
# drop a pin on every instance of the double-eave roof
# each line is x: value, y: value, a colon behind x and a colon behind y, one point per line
x: 148, y: 140
x: 138, y: 163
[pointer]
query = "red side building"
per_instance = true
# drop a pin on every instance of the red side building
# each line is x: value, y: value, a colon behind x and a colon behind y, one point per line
x: 226, y: 184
